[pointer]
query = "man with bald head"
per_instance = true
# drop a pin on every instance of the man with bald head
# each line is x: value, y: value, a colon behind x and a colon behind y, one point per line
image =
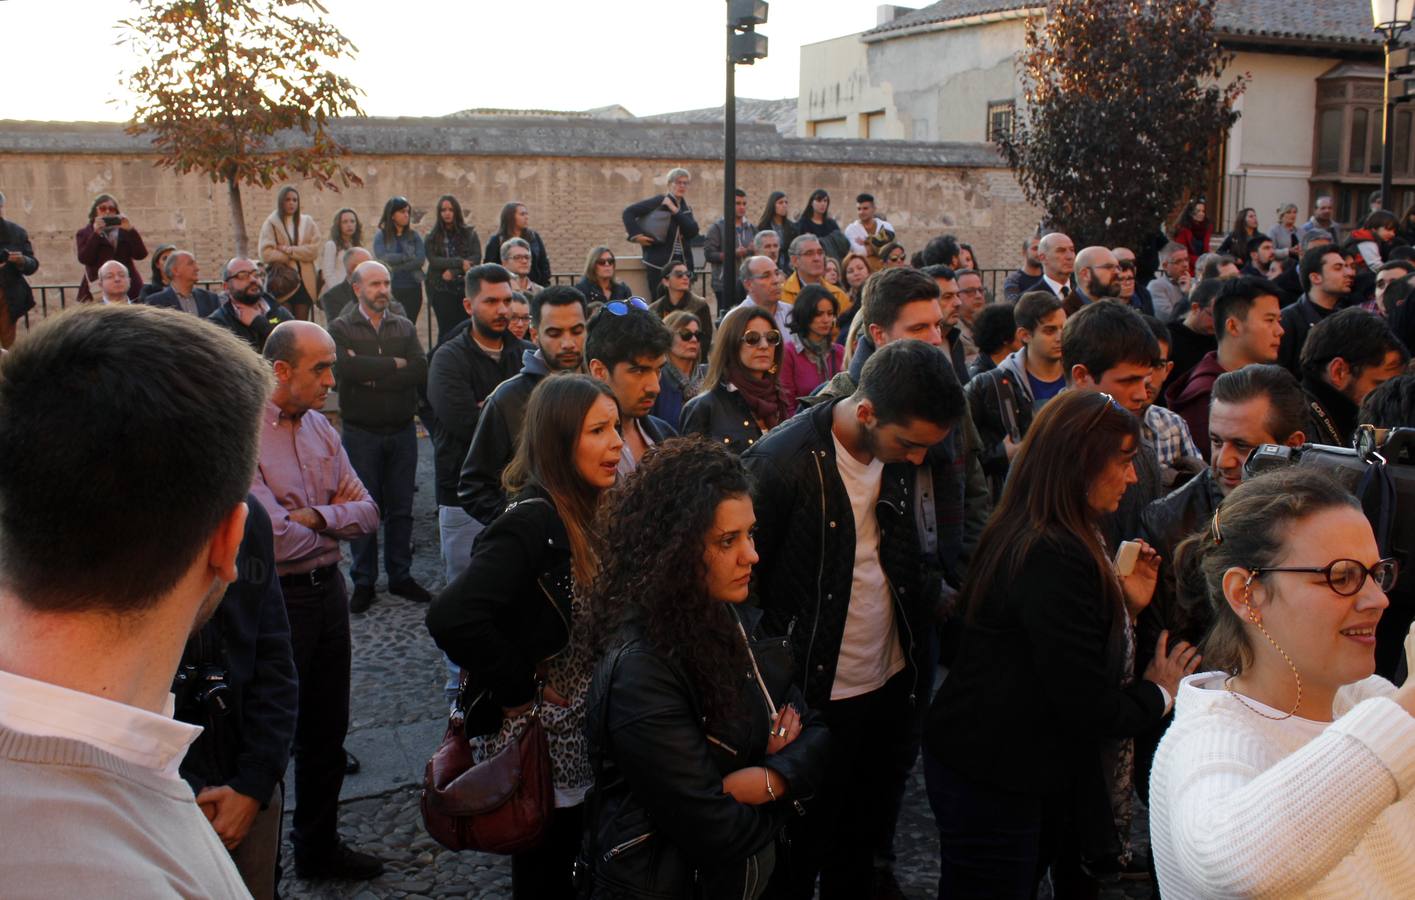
x: 315, y: 500
x: 113, y: 282
x: 1058, y: 261
x: 1097, y: 278
x: 379, y: 367
x: 247, y: 312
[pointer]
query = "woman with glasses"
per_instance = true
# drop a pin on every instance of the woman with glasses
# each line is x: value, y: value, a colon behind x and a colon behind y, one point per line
x: 599, y: 284
x: 345, y: 233
x: 741, y: 399
x: 290, y: 238
x: 676, y: 295
x: 1027, y: 743
x: 682, y: 379
x: 1126, y: 279
x: 452, y: 248
x: 401, y: 249
x: 893, y: 255
x: 515, y: 222
x: 108, y: 235
x: 813, y: 358
x: 1290, y: 770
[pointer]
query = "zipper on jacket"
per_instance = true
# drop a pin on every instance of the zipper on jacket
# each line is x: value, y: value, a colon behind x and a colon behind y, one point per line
x: 820, y: 573
x: 909, y: 653
x: 630, y: 844
x: 553, y: 605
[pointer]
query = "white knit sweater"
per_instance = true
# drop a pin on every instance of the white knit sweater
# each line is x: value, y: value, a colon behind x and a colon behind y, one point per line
x: 1243, y: 806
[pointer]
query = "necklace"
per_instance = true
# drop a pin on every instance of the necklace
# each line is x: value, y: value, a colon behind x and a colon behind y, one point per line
x: 1227, y: 686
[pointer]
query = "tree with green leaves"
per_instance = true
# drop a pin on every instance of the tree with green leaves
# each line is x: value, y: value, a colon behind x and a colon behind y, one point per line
x: 1125, y: 104
x: 242, y: 91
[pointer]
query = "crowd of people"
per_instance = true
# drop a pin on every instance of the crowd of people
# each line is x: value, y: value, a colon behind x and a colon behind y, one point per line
x: 746, y: 567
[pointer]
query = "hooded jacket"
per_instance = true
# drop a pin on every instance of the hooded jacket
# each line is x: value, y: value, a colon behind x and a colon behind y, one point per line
x: 1000, y: 400
x: 1189, y: 396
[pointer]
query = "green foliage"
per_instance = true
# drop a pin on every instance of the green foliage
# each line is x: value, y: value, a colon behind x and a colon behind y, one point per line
x: 1125, y: 108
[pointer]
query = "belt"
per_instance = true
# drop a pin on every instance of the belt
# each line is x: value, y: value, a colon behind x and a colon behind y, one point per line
x: 314, y: 578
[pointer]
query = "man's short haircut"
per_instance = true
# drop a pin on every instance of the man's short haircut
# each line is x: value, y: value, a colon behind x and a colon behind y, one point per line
x: 355, y: 279
x: 674, y: 174
x: 1254, y: 244
x: 744, y: 271
x: 491, y: 273
x: 1403, y: 264
x: 1361, y: 338
x: 1158, y: 329
x: 1101, y: 336
x: 1205, y: 290
x: 112, y: 264
x: 1312, y: 259
x: 1210, y: 265
x: 942, y: 250
x: 515, y: 242
x: 889, y: 290
x: 907, y: 381
x: 171, y: 257
x: 940, y: 271
x: 738, y: 192
x: 349, y: 254
x: 623, y: 339
x: 128, y: 434
x: 1403, y: 253
x: 864, y: 198
x: 557, y: 295
x: 759, y: 239
x: 1314, y: 234
x: 1170, y: 249
x: 800, y: 242
x: 1235, y: 297
x: 1392, y: 405
x: 1287, y: 405
x: 1033, y: 307
x: 959, y: 273
x: 994, y: 326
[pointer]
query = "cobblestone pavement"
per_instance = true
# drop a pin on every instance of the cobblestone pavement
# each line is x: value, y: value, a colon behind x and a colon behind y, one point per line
x: 396, y: 696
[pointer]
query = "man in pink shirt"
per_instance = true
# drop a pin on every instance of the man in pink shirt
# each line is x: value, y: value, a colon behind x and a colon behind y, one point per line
x: 315, y: 500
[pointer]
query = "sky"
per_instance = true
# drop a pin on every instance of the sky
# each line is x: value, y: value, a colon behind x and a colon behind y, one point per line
x: 438, y: 56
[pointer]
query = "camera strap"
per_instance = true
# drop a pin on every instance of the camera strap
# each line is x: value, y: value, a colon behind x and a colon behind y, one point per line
x: 1377, y: 493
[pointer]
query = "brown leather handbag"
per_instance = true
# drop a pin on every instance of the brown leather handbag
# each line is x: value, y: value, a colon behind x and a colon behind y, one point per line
x: 501, y: 805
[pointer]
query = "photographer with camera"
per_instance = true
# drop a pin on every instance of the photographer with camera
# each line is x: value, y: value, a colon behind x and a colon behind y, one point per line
x: 108, y: 236
x: 237, y: 681
x: 16, y: 262
x: 1347, y: 355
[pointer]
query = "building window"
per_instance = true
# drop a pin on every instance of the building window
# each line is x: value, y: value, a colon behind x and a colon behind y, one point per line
x: 1001, y: 114
x: 827, y: 128
x: 1357, y: 163
x: 872, y: 124
x: 1329, y: 141
x: 1402, y: 143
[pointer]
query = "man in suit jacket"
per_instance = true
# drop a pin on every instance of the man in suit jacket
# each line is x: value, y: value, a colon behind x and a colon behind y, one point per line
x: 1058, y: 262
x: 181, y: 292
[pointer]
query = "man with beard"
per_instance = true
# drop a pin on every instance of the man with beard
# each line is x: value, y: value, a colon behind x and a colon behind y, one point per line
x: 1097, y: 278
x: 466, y: 367
x: 247, y: 313
x: 1345, y: 358
x: 1328, y: 278
x: 558, y: 318
x: 123, y: 519
x: 950, y: 303
x: 1020, y: 281
x: 627, y: 348
x: 379, y: 370
x: 315, y: 500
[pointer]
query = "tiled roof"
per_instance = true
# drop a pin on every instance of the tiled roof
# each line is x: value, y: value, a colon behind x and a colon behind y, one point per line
x: 1338, y: 22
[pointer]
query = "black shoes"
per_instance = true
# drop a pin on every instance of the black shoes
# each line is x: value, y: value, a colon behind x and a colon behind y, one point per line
x: 343, y: 864
x: 410, y: 590
x: 363, y: 598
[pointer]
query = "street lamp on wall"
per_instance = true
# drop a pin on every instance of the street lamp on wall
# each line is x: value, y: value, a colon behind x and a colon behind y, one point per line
x: 744, y: 47
x: 1392, y: 19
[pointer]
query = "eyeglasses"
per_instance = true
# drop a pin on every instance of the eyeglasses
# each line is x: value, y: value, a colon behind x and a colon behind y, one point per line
x: 970, y: 292
x: 681, y: 273
x: 621, y: 307
x: 518, y: 257
x: 687, y: 335
x: 526, y: 319
x: 238, y: 276
x: 1345, y: 576
x: 606, y: 261
x: 752, y: 338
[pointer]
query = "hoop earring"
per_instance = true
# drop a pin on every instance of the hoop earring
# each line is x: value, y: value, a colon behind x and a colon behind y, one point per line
x: 1257, y: 621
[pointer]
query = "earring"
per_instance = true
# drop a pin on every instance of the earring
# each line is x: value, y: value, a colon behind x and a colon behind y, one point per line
x: 1258, y: 622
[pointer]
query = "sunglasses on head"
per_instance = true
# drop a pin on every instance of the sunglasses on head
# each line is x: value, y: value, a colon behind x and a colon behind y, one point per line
x: 687, y: 335
x: 621, y: 307
x: 752, y: 338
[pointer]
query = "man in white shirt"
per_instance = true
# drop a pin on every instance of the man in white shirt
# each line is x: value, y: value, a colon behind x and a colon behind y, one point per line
x: 763, y: 280
x: 865, y: 227
x: 1058, y: 262
x: 94, y: 626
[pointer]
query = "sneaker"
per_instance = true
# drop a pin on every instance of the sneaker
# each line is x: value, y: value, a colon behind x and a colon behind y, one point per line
x: 343, y: 864
x: 410, y: 590
x: 363, y: 598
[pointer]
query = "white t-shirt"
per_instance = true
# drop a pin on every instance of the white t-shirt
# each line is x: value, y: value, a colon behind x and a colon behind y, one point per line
x: 869, y: 650
x: 858, y: 235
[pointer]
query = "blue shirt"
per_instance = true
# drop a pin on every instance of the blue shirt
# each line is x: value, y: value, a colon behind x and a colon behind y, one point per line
x: 1042, y: 391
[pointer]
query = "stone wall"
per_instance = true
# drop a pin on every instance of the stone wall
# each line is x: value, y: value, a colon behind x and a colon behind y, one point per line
x: 575, y: 176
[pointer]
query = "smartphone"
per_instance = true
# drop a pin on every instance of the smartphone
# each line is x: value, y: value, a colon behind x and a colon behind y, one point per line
x: 1125, y: 558
x: 110, y: 221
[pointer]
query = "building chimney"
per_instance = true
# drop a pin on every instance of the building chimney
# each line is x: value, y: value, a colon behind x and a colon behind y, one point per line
x: 888, y: 12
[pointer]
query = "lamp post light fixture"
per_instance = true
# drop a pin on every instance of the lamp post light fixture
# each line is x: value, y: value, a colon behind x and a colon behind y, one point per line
x: 1392, y: 19
x: 744, y: 47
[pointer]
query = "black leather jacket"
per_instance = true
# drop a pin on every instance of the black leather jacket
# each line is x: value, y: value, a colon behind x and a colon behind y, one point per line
x: 1182, y: 609
x: 723, y: 416
x: 657, y: 821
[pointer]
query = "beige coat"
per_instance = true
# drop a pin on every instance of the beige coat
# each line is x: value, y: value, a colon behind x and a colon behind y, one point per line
x: 302, y: 255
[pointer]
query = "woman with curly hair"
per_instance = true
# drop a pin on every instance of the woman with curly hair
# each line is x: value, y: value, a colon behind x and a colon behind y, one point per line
x: 741, y: 398
x: 699, y: 743
x: 515, y: 620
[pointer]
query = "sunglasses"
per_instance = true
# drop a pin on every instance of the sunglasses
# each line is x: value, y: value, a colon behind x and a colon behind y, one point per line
x: 622, y: 307
x: 687, y: 335
x: 1345, y: 576
x: 753, y: 338
x: 607, y: 261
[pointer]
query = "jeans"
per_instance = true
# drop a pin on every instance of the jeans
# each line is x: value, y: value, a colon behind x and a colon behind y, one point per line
x: 990, y: 840
x: 319, y: 636
x: 459, y: 531
x: 387, y: 464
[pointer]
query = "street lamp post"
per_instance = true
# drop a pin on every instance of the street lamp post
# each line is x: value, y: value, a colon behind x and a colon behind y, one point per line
x: 1392, y: 19
x: 744, y: 47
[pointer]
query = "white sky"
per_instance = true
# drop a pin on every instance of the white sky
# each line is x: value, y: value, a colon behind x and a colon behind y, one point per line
x: 432, y: 57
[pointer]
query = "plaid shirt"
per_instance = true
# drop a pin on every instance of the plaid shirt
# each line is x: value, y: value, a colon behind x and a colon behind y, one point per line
x: 1168, y: 433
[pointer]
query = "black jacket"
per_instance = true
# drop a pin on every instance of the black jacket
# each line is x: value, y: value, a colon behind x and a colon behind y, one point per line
x: 207, y: 302
x: 249, y: 636
x: 697, y: 306
x: 593, y: 294
x: 493, y: 443
x: 806, y: 540
x: 465, y: 245
x: 1164, y: 524
x: 681, y: 225
x: 658, y: 823
x: 260, y: 327
x: 1002, y: 405
x: 509, y: 611
x: 1034, y: 689
x: 460, y: 378
x: 1331, y: 415
x: 374, y: 393
x: 721, y: 414
x: 540, y: 260
x: 19, y: 296
x: 1297, y: 320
